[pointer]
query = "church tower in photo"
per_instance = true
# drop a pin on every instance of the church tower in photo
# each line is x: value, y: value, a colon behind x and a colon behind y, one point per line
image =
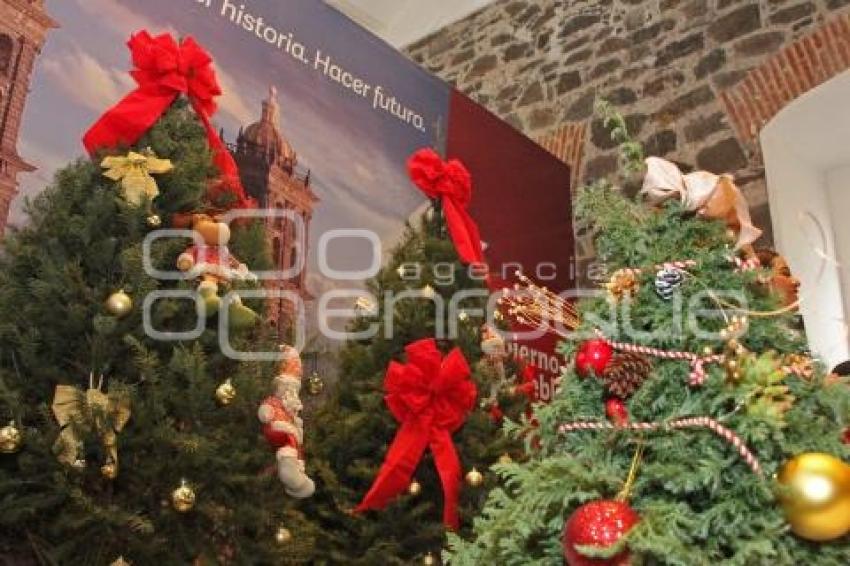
x: 24, y: 25
x: 268, y: 167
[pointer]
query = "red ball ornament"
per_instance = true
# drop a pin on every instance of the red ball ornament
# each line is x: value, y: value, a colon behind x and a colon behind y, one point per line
x: 593, y: 355
x: 617, y: 411
x: 600, y: 524
x: 846, y: 438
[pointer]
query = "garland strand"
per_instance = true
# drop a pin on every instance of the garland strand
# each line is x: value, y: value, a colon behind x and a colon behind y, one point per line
x: 692, y: 422
x: 698, y: 373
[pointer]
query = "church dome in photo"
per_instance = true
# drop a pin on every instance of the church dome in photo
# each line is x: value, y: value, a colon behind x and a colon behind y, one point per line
x: 265, y: 135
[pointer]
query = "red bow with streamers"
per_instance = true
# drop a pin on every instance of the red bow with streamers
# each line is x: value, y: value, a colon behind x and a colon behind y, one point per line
x: 450, y: 181
x: 165, y: 69
x: 430, y: 396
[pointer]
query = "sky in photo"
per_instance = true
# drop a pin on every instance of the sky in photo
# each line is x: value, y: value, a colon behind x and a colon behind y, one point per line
x: 356, y: 153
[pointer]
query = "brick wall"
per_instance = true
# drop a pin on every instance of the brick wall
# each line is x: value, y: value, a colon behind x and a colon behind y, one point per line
x: 696, y: 79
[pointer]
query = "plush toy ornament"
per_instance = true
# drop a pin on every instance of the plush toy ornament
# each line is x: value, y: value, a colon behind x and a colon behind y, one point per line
x: 212, y: 264
x: 283, y: 428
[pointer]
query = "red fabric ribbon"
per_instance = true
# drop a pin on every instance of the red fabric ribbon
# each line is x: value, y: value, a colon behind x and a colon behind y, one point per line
x: 451, y: 182
x: 164, y: 69
x: 431, y: 397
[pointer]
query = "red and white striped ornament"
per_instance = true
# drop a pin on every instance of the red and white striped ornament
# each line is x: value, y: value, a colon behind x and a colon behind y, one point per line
x: 691, y: 422
x: 698, y: 373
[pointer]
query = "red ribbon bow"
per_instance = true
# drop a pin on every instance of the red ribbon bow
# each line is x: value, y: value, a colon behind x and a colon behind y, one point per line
x: 451, y: 182
x: 430, y: 396
x: 164, y: 69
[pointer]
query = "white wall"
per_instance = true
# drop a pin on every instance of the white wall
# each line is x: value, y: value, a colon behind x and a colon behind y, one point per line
x: 838, y: 194
x: 807, y: 162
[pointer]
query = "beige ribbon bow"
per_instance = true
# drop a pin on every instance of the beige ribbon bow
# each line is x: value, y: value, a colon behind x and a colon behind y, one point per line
x: 76, y: 411
x: 710, y: 195
x: 134, y: 173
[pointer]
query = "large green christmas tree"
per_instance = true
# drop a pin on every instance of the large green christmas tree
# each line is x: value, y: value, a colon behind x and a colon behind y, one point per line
x: 353, y: 430
x: 698, y: 496
x: 84, y: 241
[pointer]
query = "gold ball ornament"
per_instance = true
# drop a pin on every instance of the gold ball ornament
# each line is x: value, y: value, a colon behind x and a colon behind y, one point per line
x: 474, y: 478
x: 225, y: 393
x: 283, y: 535
x: 109, y: 470
x: 154, y: 221
x: 429, y: 560
x: 183, y: 498
x: 119, y: 304
x: 11, y: 438
x: 315, y: 384
x: 816, y: 496
x: 415, y: 488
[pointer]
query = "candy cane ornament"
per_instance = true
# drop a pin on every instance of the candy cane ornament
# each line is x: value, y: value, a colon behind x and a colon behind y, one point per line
x: 678, y: 424
x: 698, y: 373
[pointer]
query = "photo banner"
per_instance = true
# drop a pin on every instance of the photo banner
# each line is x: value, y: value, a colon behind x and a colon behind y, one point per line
x: 320, y: 116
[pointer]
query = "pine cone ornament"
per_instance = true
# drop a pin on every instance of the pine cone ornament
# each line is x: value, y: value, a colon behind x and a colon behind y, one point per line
x: 667, y: 281
x: 625, y: 373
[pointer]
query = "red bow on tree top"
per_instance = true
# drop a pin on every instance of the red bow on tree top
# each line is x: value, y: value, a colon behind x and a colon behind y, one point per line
x: 165, y: 69
x: 451, y: 182
x: 431, y: 397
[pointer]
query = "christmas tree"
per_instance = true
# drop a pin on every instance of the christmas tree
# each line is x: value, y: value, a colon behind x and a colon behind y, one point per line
x: 121, y: 443
x: 674, y: 440
x: 352, y: 432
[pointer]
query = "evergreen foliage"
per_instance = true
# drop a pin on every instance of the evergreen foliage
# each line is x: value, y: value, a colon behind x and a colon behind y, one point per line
x: 352, y: 432
x: 699, y: 502
x: 83, y: 243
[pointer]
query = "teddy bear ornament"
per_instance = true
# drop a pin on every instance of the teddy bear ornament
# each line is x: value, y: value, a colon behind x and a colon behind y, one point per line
x: 209, y: 261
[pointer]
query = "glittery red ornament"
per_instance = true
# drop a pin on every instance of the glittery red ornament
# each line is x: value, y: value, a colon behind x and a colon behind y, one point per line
x: 600, y: 524
x: 593, y: 355
x: 617, y: 411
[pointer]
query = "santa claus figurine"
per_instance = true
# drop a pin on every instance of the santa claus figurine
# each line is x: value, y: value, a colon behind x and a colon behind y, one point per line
x: 283, y: 428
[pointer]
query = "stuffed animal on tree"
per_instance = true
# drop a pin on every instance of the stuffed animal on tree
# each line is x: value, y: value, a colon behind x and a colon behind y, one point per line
x: 283, y: 428
x: 211, y: 263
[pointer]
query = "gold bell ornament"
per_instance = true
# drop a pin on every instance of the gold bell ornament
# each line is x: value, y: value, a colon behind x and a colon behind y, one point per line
x: 119, y: 304
x: 225, y: 393
x: 10, y: 438
x: 816, y: 496
x: 183, y: 498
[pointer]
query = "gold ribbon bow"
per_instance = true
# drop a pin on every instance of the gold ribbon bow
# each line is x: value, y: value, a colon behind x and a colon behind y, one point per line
x: 134, y: 172
x: 710, y: 195
x: 78, y: 412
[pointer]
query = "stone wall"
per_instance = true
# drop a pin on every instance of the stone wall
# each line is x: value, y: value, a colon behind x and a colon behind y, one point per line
x: 696, y: 79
